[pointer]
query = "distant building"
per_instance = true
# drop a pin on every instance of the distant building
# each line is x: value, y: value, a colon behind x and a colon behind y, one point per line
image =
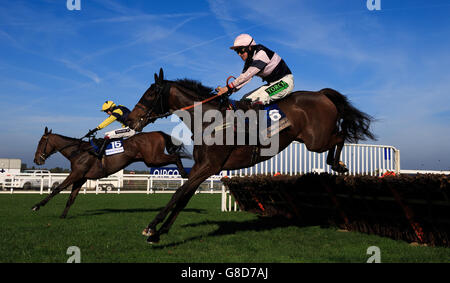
x: 10, y: 166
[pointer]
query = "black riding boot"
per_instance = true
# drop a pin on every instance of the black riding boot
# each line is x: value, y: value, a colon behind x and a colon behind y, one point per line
x: 100, y: 152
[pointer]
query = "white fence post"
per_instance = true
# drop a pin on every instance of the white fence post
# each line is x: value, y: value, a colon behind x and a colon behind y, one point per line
x: 42, y: 185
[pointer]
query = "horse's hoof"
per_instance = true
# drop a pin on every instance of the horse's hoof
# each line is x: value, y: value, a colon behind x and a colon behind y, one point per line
x: 148, y: 232
x: 145, y: 232
x: 343, y: 167
x: 35, y: 208
x: 340, y: 168
x: 153, y: 239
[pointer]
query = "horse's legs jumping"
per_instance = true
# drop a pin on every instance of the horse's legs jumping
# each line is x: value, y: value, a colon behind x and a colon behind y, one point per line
x: 339, y: 166
x: 176, y: 210
x: 179, y: 200
x: 334, y: 157
x: 67, y: 182
x: 330, y: 156
x: 336, y: 144
x: 75, y: 189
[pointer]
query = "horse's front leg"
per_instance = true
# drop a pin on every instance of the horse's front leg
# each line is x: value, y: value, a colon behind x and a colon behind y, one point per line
x: 73, y: 177
x: 151, y: 228
x: 179, y: 200
x: 75, y: 190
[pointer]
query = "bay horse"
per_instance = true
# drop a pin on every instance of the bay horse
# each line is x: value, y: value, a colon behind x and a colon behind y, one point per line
x: 147, y: 147
x: 322, y: 120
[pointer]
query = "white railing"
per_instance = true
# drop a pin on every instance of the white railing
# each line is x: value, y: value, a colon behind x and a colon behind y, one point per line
x: 123, y: 183
x: 295, y: 159
x: 359, y: 158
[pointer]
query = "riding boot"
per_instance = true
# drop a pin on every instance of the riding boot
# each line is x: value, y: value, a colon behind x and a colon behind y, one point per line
x: 102, y: 148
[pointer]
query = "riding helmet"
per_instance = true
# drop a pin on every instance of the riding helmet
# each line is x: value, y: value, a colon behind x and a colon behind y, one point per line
x: 107, y: 105
x: 243, y: 40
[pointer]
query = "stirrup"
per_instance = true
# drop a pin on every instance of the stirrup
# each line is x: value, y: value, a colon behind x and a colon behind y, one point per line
x: 101, y: 151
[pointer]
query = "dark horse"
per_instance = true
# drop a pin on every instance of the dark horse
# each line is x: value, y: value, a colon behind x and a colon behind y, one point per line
x: 321, y: 120
x: 146, y: 147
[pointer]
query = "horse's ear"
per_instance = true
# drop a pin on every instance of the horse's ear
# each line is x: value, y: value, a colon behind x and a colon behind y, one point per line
x: 156, y: 78
x: 49, y: 132
x: 46, y: 131
x: 161, y: 75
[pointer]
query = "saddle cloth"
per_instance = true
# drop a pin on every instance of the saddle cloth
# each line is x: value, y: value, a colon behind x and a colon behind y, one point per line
x: 274, y: 115
x: 113, y: 147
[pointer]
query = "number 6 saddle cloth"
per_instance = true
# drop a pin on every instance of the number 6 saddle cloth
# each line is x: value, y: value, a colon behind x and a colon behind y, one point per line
x: 276, y: 119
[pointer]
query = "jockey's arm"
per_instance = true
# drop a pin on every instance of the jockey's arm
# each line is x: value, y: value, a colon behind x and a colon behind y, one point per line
x: 239, y: 82
x: 115, y: 115
x: 259, y: 63
x: 106, y: 122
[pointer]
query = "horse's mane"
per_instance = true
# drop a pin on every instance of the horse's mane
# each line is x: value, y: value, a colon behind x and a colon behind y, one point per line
x: 196, y: 87
x: 65, y: 137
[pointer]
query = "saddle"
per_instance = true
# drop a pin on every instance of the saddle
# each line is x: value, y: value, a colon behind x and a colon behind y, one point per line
x: 96, y: 144
x: 274, y: 114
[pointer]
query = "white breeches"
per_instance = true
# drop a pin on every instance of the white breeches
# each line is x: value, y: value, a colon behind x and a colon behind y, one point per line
x: 120, y: 133
x: 273, y: 91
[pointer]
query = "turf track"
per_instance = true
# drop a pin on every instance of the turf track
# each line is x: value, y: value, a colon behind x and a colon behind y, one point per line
x: 107, y: 228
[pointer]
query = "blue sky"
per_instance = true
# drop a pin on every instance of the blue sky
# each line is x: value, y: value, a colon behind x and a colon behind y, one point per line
x: 58, y: 66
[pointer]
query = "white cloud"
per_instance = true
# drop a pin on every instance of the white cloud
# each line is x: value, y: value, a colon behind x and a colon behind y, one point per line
x: 221, y: 10
x: 87, y: 73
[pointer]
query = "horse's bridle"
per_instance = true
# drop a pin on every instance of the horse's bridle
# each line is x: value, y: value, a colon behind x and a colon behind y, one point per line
x: 161, y: 92
x: 43, y: 156
x: 148, y: 108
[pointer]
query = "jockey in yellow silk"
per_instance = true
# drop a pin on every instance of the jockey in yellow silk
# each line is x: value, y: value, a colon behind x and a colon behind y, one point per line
x: 116, y: 113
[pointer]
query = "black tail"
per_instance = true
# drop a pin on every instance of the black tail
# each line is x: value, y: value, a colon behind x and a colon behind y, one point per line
x: 172, y: 148
x: 355, y: 125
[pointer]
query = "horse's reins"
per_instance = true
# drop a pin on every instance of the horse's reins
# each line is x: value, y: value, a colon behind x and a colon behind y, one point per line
x: 182, y: 109
x: 206, y: 100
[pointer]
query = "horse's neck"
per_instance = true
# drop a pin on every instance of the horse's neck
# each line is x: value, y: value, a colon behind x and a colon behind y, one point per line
x: 195, y: 113
x: 62, y: 144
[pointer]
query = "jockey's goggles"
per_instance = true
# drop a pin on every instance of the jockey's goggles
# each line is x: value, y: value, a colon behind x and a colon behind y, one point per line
x: 240, y: 50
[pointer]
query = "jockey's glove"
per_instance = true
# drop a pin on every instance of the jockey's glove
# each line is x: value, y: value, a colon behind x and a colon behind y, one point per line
x: 91, y: 132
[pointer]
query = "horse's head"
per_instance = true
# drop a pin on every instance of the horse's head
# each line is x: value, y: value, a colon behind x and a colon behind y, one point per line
x: 44, y: 149
x: 151, y: 105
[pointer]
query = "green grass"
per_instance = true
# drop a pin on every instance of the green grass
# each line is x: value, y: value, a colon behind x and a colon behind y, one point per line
x: 107, y: 228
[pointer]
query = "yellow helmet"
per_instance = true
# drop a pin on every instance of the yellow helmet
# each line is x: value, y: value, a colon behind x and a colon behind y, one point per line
x: 107, y: 105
